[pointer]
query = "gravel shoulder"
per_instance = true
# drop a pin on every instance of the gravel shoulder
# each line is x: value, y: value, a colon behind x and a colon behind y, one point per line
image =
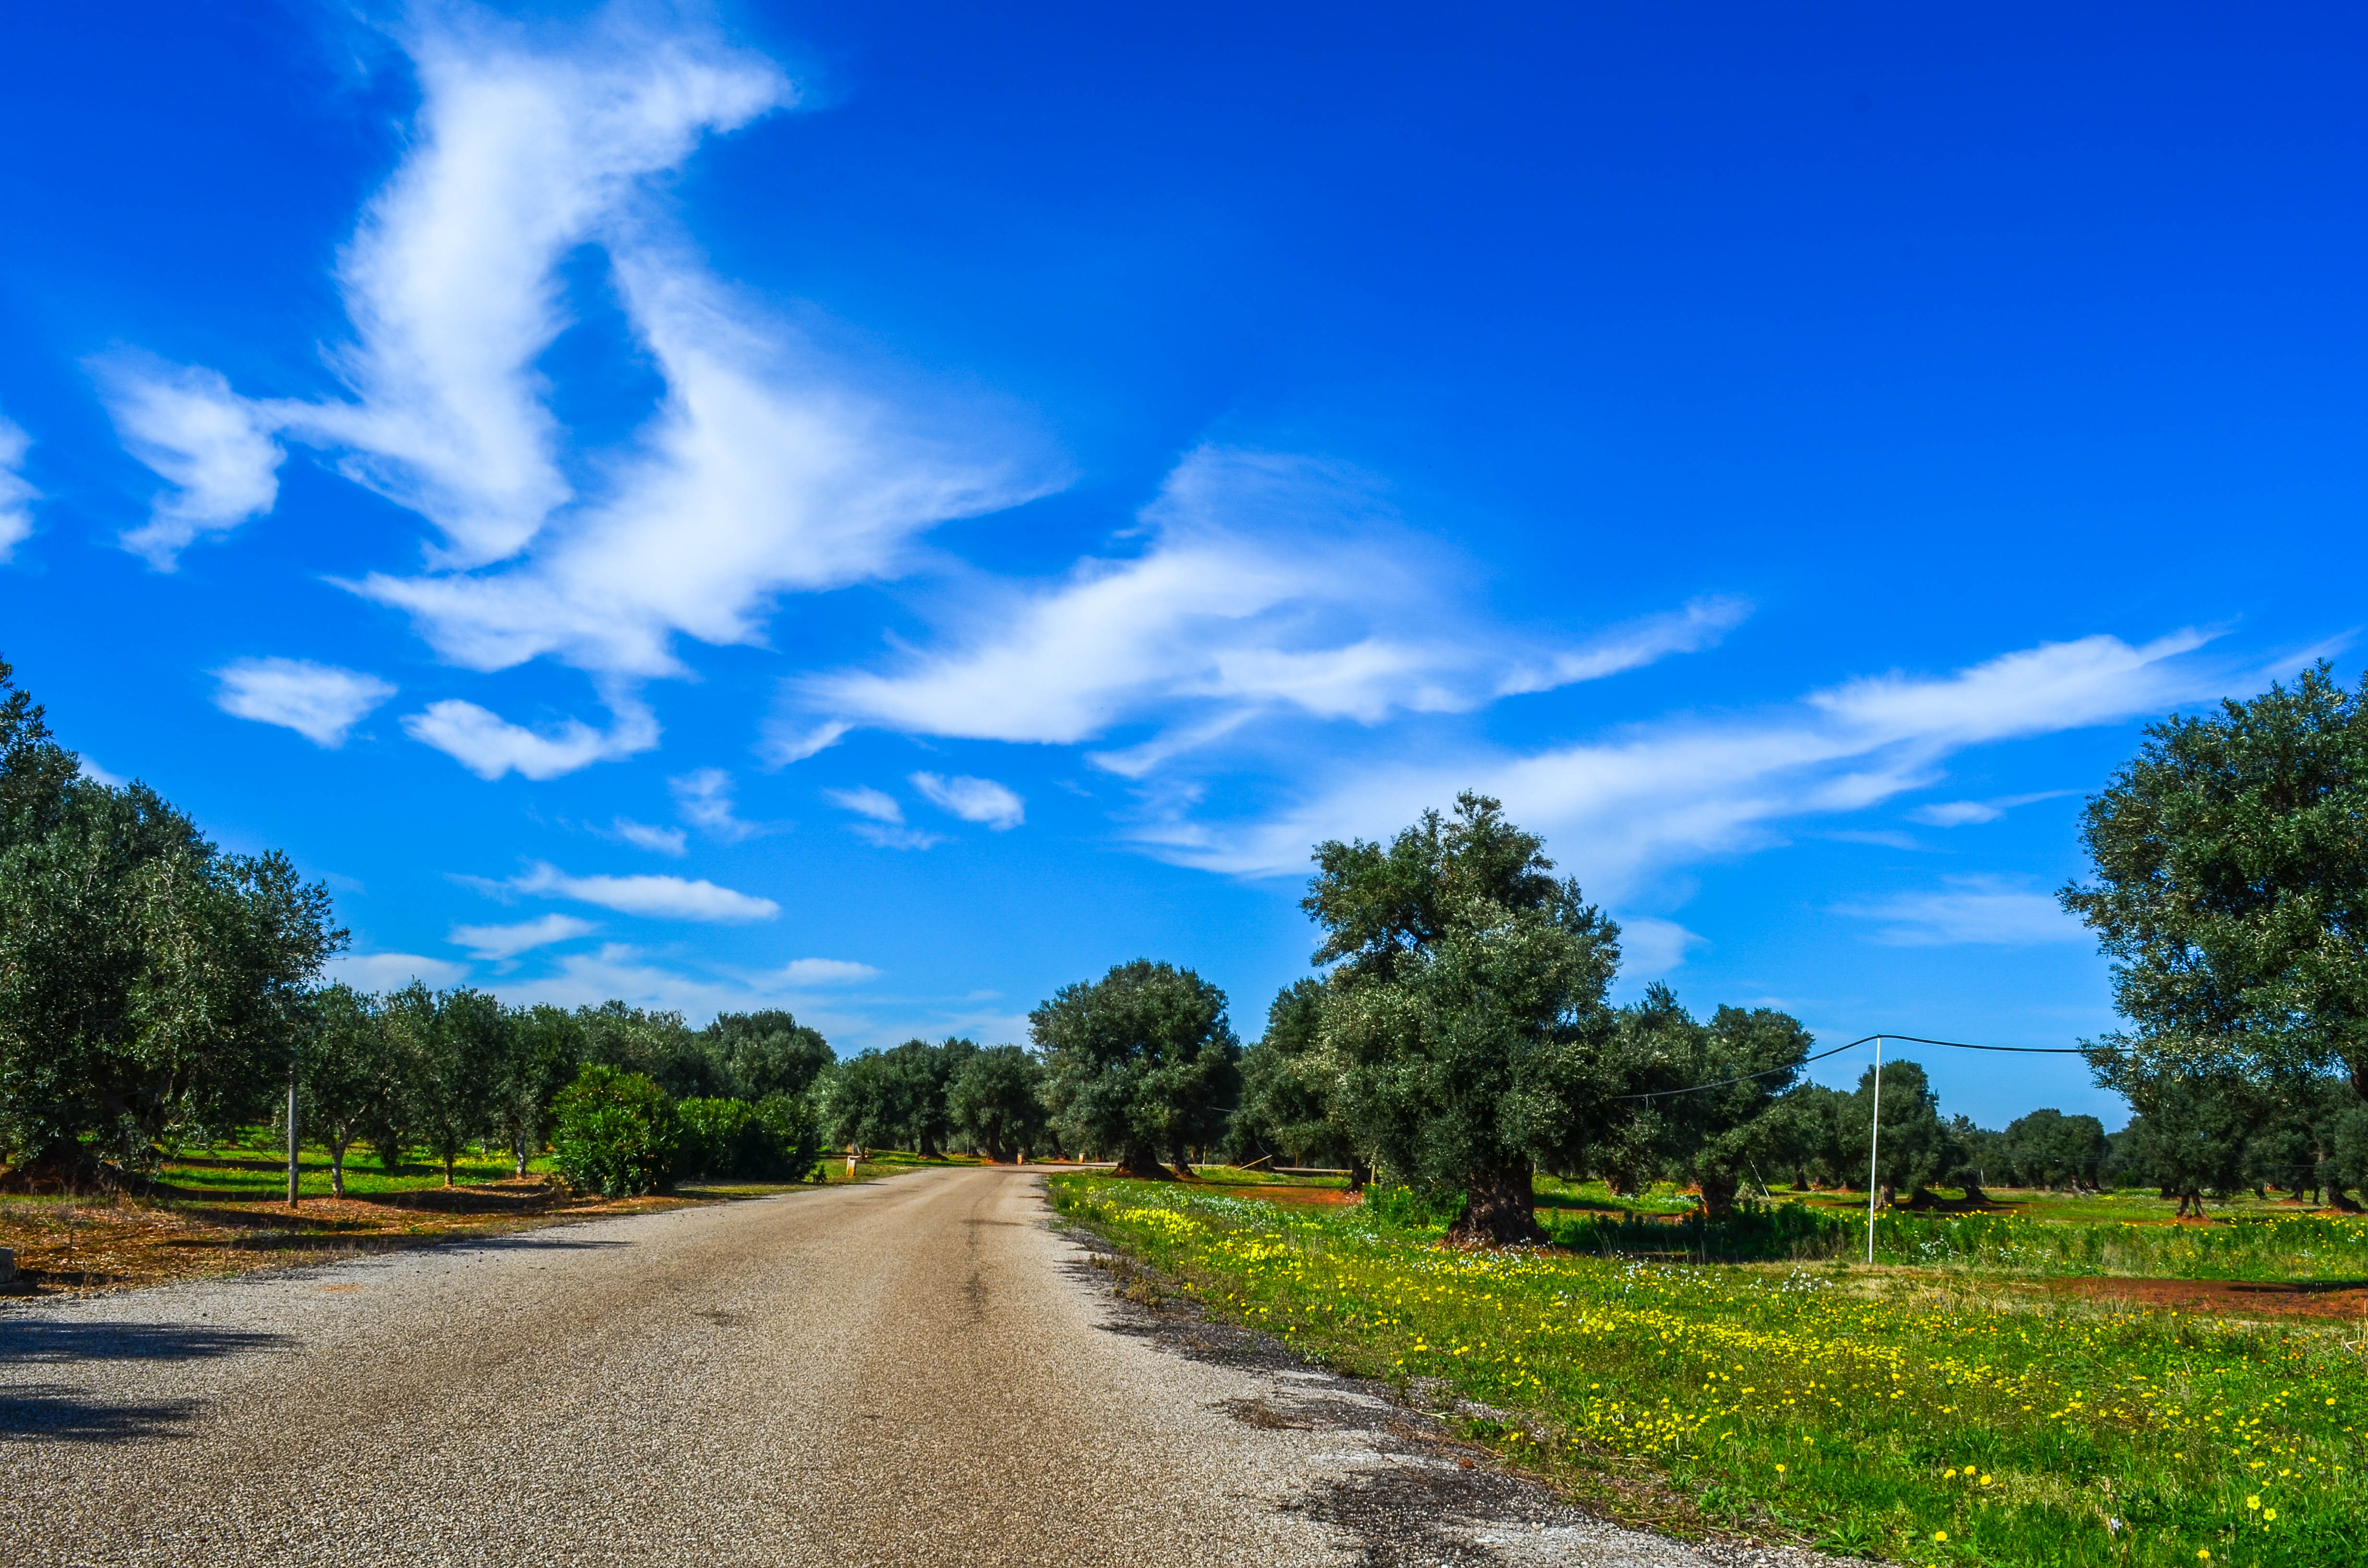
x: 914, y: 1371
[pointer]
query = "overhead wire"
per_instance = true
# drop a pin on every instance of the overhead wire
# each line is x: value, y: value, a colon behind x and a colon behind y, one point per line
x: 1862, y: 1040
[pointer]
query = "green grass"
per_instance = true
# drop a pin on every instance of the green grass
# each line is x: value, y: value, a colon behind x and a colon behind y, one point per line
x: 1555, y: 1195
x: 2259, y: 1244
x: 247, y: 1172
x: 1859, y: 1409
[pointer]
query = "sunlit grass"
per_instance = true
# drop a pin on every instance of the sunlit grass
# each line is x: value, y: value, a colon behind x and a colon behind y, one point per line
x: 1869, y: 1410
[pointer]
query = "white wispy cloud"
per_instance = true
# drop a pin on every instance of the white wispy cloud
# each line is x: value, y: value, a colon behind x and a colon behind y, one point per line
x: 676, y: 898
x: 320, y: 702
x: 16, y: 493
x: 767, y: 467
x: 389, y: 971
x: 215, y: 448
x: 1272, y: 582
x: 98, y: 775
x: 1618, y: 810
x: 884, y: 817
x: 664, y: 840
x: 866, y: 802
x: 498, y: 942
x: 826, y: 971
x: 1651, y: 948
x: 1963, y: 813
x: 703, y: 799
x: 1984, y: 910
x: 489, y: 746
x: 974, y: 800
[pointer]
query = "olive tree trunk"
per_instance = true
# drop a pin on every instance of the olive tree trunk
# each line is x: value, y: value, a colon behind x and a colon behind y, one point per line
x: 1499, y: 1206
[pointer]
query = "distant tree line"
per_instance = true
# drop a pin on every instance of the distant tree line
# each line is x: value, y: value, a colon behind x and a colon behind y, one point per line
x: 1456, y: 1039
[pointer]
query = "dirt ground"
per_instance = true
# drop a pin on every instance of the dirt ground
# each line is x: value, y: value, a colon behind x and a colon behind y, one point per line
x: 88, y: 1246
x: 1278, y: 1193
x: 2229, y: 1298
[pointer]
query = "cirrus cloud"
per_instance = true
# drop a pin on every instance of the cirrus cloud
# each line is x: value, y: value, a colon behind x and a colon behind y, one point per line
x: 676, y: 898
x: 974, y: 800
x: 320, y: 702
x: 1621, y: 808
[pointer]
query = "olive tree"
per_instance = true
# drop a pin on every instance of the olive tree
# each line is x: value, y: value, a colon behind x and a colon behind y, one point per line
x: 995, y: 1102
x: 149, y: 982
x: 349, y: 1068
x: 1288, y: 1107
x: 1465, y: 1026
x: 1138, y: 1063
x: 2231, y: 890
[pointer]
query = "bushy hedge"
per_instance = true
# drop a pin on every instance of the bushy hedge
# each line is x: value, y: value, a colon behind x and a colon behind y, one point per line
x: 772, y: 1139
x: 617, y: 1133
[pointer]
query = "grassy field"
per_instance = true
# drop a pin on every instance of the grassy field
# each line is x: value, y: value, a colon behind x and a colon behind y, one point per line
x: 224, y: 1211
x: 1936, y: 1414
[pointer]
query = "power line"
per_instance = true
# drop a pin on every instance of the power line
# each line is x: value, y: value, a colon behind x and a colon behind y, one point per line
x: 1862, y: 1040
x: 1746, y: 1078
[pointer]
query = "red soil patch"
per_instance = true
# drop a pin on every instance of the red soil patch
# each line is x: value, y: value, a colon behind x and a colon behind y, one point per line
x: 2230, y: 1297
x: 1289, y: 1194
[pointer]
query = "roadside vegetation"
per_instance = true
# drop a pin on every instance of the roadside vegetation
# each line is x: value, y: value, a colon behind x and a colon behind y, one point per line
x: 1955, y: 1415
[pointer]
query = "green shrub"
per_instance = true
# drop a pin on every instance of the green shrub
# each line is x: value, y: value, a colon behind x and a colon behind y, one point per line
x: 774, y: 1140
x: 617, y: 1133
x: 1413, y: 1209
x: 796, y: 1135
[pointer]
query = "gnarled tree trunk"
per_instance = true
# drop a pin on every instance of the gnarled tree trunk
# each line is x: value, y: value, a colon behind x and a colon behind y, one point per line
x: 1137, y: 1160
x: 1499, y: 1206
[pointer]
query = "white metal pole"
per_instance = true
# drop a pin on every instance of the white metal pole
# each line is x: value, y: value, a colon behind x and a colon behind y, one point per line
x: 1873, y: 1139
x: 291, y: 1137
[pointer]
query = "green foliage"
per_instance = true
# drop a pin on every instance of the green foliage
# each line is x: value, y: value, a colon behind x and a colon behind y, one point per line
x: 657, y: 1045
x: 2047, y: 1148
x: 1138, y: 1063
x: 1917, y: 1149
x: 457, y: 1045
x: 149, y: 983
x: 773, y: 1140
x: 1718, y: 1138
x: 996, y: 1104
x: 794, y: 1136
x: 2231, y: 859
x: 616, y: 1133
x: 896, y: 1099
x: 1467, y: 1028
x: 1740, y: 1233
x: 1287, y: 1110
x: 2190, y: 1133
x: 766, y: 1053
x: 546, y: 1050
x: 349, y: 1068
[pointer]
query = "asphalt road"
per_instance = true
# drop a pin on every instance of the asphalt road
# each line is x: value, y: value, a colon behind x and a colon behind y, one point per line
x: 917, y: 1370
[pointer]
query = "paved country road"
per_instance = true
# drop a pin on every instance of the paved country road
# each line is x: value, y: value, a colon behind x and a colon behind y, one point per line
x: 916, y: 1370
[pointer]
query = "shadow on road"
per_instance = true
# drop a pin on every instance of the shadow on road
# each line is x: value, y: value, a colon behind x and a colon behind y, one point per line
x: 41, y: 1412
x: 29, y: 1339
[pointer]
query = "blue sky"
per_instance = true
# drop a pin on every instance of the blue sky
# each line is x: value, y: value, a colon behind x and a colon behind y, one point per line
x: 888, y: 509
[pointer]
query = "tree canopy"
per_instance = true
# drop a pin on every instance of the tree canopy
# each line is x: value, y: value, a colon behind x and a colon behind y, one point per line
x: 149, y: 982
x: 1138, y: 1063
x: 2231, y: 888
x: 1465, y: 1023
